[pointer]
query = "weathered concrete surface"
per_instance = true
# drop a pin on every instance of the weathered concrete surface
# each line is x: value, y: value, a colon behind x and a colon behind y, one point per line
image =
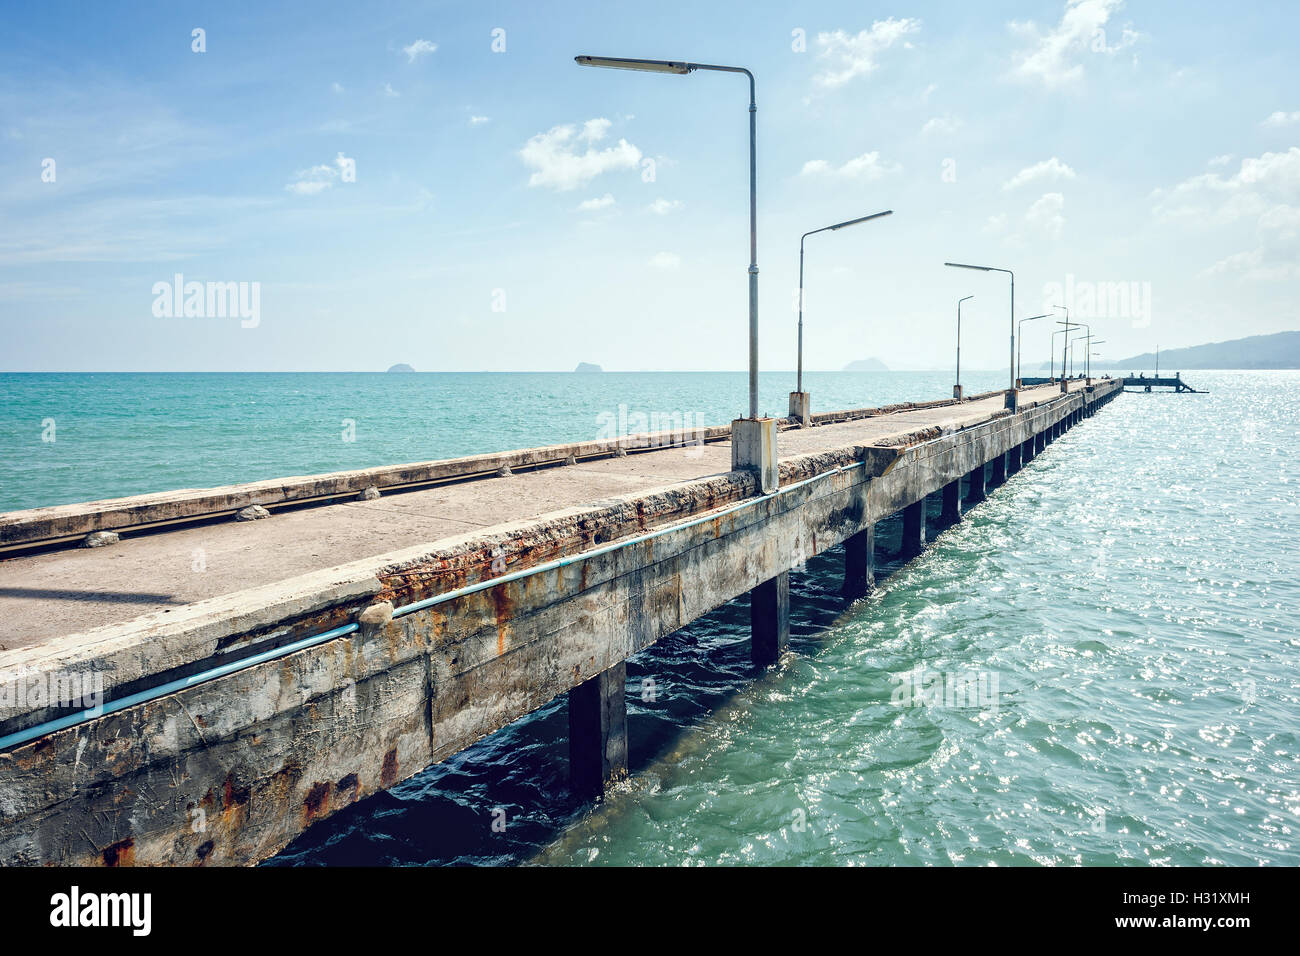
x: 61, y: 522
x: 230, y: 770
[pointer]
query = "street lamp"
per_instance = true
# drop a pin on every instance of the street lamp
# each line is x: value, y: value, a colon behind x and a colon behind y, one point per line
x: 1066, y: 310
x: 682, y: 67
x: 1020, y: 343
x: 1011, y: 392
x: 799, y: 404
x: 1088, y: 337
x: 1091, y: 353
x: 956, y: 389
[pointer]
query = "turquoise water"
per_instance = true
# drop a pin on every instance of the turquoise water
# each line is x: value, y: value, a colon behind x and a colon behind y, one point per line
x: 1131, y: 601
x: 124, y: 434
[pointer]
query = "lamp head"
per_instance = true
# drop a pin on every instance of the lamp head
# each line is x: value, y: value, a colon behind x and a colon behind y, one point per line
x: 645, y: 66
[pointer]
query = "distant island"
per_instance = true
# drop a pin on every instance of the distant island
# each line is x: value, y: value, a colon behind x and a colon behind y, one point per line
x: 401, y: 367
x: 588, y: 367
x: 866, y: 365
x: 1280, y: 350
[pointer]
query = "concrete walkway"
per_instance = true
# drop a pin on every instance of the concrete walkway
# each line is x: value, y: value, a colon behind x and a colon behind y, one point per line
x: 72, y: 590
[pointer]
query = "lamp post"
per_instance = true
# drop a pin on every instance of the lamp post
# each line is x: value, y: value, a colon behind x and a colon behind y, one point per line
x: 753, y: 440
x: 956, y: 389
x: 800, y: 406
x: 1052, y: 349
x: 1091, y: 353
x: 1088, y: 337
x: 1020, y: 344
x: 681, y: 67
x: 1011, y: 391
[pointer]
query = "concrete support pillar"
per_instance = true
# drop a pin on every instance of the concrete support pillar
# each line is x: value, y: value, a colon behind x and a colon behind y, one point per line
x: 914, y: 528
x: 801, y: 408
x: 1027, y: 451
x: 952, y: 501
x: 598, y: 732
x: 860, y: 562
x: 975, y: 485
x: 769, y: 619
x: 998, y: 470
x: 753, y: 448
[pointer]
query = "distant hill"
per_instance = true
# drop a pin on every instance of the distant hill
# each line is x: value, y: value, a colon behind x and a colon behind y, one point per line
x: 587, y: 367
x: 1280, y: 350
x: 401, y: 367
x: 866, y: 365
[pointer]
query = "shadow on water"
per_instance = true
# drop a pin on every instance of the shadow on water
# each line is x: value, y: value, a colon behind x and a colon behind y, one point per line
x: 506, y: 798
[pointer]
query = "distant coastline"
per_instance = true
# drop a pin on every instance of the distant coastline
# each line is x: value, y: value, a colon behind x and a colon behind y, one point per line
x: 1256, y: 352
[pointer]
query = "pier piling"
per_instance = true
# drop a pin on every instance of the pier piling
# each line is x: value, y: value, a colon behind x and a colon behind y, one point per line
x: 913, y: 529
x: 769, y: 619
x: 860, y: 562
x: 998, y: 469
x: 598, y: 732
x: 952, y: 500
x: 976, y: 486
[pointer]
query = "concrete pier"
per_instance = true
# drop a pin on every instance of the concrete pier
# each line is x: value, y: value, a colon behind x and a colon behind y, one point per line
x: 256, y: 677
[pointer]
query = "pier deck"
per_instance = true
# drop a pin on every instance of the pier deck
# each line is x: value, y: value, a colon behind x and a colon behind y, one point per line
x: 71, y: 590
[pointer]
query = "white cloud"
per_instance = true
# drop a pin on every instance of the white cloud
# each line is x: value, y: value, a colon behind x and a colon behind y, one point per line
x: 556, y: 162
x: 594, y: 130
x: 666, y: 260
x: 1055, y: 57
x: 1264, y: 188
x: 1045, y: 216
x: 868, y: 166
x: 996, y: 224
x: 418, y: 49
x: 389, y: 91
x: 662, y: 207
x: 1050, y: 170
x: 1277, y: 252
x: 943, y: 125
x: 849, y: 56
x: 1223, y: 160
x: 1260, y: 184
x: 336, y: 86
x: 593, y: 205
x: 1282, y: 119
x: 479, y: 120
x: 316, y: 179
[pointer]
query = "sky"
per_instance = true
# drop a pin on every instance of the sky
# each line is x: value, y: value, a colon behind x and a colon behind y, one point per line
x: 440, y: 184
